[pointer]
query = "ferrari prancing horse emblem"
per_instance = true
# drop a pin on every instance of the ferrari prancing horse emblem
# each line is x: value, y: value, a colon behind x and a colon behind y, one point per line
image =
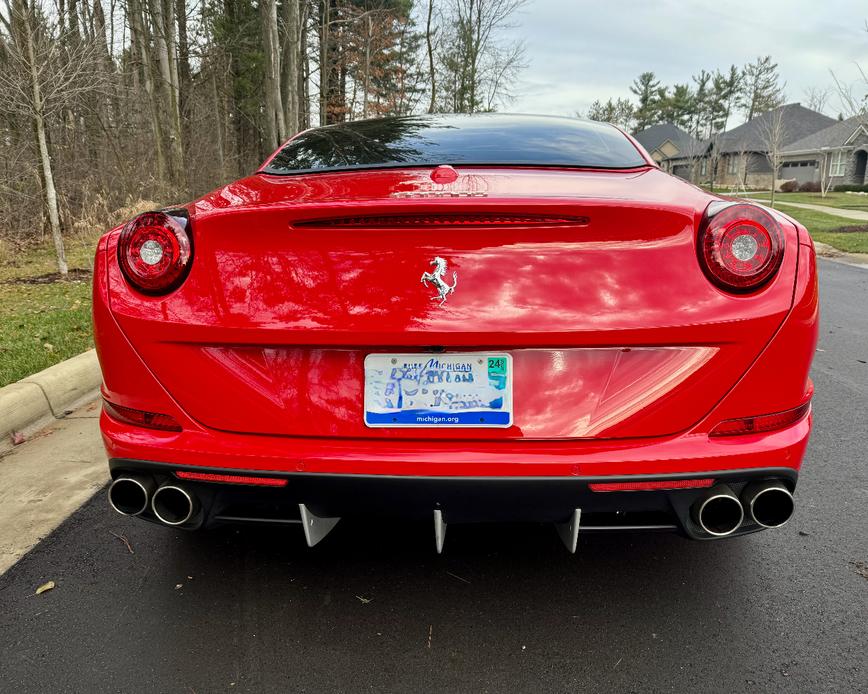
x: 436, y: 278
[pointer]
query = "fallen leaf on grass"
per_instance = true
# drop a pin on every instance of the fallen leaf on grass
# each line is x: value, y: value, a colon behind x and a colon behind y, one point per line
x: 45, y: 587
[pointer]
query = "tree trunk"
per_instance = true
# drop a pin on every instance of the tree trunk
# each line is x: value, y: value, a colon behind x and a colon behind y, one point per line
x: 429, y: 39
x: 165, y: 45
x: 218, y: 122
x: 142, y: 45
x: 367, y: 83
x: 291, y: 66
x: 274, y: 116
x: 184, y: 72
x: 42, y: 143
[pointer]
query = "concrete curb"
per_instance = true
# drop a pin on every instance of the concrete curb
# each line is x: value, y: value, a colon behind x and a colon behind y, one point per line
x: 35, y: 401
x: 824, y: 250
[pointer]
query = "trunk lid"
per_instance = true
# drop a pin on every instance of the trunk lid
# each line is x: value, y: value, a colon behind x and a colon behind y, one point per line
x: 586, y: 279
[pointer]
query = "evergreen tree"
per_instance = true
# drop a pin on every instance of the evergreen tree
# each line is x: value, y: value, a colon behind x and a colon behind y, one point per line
x: 761, y: 88
x: 703, y: 104
x: 618, y: 112
x: 650, y: 95
x: 727, y: 87
x: 679, y: 106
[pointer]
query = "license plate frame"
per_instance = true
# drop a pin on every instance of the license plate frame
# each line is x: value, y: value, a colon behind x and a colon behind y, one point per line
x: 399, y: 390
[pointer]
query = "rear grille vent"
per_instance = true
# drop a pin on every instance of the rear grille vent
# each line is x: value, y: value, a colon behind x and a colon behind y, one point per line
x: 443, y: 220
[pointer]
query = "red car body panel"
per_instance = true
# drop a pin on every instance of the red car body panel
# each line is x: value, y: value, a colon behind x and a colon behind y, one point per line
x: 259, y: 353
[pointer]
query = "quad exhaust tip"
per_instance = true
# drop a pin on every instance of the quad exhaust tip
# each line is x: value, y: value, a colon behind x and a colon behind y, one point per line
x: 173, y: 505
x: 129, y: 495
x: 770, y: 504
x: 718, y: 512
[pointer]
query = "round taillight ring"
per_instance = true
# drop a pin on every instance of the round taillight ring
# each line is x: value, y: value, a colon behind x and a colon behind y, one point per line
x: 155, y: 252
x: 740, y: 246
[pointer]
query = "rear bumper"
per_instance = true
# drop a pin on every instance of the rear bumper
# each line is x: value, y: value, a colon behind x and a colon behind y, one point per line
x: 460, y: 499
x: 687, y: 453
x: 535, y: 481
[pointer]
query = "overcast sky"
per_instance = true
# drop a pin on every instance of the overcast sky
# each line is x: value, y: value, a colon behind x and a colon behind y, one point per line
x: 579, y: 51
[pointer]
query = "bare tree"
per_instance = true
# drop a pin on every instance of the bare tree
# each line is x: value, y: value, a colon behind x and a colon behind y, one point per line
x: 478, y: 65
x: 825, y: 173
x: 43, y: 74
x: 773, y: 133
x: 853, y: 98
x: 816, y: 98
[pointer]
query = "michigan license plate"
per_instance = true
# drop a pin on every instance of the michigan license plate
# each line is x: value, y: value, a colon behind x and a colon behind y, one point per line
x: 438, y: 390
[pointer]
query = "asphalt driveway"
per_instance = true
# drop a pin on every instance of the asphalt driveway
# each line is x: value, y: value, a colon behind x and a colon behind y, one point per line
x: 142, y: 608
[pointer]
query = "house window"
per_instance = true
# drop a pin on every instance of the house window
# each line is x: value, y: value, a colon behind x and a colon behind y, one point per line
x: 703, y: 167
x: 838, y: 161
x: 732, y: 164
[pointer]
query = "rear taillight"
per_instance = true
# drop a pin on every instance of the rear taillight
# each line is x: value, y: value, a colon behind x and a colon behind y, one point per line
x: 740, y: 246
x: 761, y: 423
x: 155, y: 252
x: 141, y: 418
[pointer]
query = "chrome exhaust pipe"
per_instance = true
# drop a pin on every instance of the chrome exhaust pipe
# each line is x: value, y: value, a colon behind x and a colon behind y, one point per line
x: 129, y: 494
x: 770, y: 504
x: 173, y: 504
x: 718, y: 512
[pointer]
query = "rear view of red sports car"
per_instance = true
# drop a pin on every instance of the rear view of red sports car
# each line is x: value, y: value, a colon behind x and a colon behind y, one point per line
x: 461, y: 318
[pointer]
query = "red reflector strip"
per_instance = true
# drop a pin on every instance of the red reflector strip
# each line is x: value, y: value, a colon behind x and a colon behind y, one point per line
x: 149, y: 420
x: 412, y: 220
x: 650, y: 486
x: 231, y: 479
x: 766, y: 422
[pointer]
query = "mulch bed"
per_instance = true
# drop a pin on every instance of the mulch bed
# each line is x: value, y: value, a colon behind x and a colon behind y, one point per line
x: 75, y: 275
x: 850, y: 229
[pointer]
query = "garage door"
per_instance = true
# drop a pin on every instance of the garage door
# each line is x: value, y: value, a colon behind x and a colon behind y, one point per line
x: 802, y: 171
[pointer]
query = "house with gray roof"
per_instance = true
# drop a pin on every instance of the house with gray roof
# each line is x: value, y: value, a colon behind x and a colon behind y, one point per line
x: 740, y: 156
x: 671, y: 147
x: 838, y: 154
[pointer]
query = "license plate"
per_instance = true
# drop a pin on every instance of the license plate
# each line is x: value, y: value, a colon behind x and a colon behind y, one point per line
x: 438, y: 390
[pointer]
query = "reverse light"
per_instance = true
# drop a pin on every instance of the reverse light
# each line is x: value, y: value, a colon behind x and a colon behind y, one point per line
x: 230, y: 479
x: 651, y: 485
x: 141, y: 418
x: 154, y: 252
x: 740, y: 246
x: 762, y: 423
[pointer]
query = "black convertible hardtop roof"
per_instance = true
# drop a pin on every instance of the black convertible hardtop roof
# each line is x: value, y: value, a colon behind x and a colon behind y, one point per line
x: 490, y: 139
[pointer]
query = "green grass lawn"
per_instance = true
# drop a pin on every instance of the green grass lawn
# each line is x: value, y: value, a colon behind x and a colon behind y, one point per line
x: 44, y: 320
x: 43, y: 323
x: 824, y: 228
x: 843, y: 200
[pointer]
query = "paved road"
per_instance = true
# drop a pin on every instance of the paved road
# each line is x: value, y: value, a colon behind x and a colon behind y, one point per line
x: 505, y: 609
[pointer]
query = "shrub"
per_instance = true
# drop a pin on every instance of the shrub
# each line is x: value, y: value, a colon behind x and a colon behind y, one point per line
x: 810, y: 187
x: 789, y: 186
x: 850, y: 188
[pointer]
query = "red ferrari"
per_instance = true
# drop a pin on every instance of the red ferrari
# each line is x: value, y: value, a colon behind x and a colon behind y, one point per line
x: 464, y: 318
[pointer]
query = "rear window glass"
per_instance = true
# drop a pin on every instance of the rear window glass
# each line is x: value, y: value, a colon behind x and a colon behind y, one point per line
x: 486, y: 139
